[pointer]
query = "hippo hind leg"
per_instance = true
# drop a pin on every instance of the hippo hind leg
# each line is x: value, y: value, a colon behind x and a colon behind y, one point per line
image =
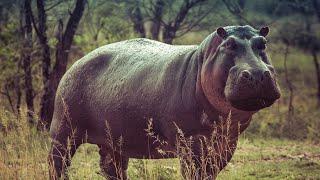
x: 63, y: 147
x: 112, y: 164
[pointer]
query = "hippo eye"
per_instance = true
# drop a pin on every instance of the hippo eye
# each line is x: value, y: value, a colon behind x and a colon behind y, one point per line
x: 231, y: 44
x: 261, y: 46
x: 259, y: 43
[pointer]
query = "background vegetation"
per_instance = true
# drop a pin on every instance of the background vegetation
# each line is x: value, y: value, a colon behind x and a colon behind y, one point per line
x: 40, y: 39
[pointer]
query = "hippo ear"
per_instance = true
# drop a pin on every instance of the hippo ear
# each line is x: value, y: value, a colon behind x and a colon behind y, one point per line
x: 222, y: 32
x: 264, y: 31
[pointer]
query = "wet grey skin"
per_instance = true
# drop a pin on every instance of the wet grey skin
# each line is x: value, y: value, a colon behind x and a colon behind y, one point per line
x: 114, y: 91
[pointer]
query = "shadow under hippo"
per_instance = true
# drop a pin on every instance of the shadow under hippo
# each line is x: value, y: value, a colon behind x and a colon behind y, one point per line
x: 116, y: 91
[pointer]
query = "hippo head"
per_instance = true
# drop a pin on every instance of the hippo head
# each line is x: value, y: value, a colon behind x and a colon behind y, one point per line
x: 237, y: 73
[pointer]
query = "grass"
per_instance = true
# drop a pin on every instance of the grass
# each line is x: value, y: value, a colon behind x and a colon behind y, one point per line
x: 274, y: 159
x: 254, y: 159
x: 23, y: 155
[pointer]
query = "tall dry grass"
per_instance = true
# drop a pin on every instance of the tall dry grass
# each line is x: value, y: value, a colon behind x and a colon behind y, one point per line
x: 23, y: 150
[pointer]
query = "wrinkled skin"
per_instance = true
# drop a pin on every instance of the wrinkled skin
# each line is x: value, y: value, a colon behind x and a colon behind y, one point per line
x: 114, y: 91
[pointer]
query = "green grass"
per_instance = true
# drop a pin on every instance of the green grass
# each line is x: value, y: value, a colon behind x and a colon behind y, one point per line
x: 274, y: 159
x: 23, y: 155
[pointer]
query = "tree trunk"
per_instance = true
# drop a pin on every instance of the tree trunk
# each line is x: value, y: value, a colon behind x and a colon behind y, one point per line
x: 170, y: 30
x: 1, y: 17
x: 42, y: 28
x: 289, y: 84
x: 137, y: 19
x: 316, y: 6
x: 156, y: 21
x: 27, y: 49
x: 62, y: 53
x: 317, y: 66
x: 7, y: 94
x: 155, y: 30
x: 18, y: 94
x: 169, y: 33
x: 236, y: 9
x: 45, y: 51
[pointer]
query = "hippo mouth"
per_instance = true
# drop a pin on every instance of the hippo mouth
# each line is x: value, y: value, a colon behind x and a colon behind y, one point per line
x: 252, y: 104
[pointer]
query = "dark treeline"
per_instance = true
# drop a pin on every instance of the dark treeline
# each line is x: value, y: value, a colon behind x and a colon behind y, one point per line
x: 40, y: 38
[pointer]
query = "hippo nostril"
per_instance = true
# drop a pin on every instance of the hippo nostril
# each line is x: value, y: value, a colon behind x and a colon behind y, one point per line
x: 267, y: 74
x: 245, y: 74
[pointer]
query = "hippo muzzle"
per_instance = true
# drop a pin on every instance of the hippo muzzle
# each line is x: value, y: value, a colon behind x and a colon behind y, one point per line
x: 251, y: 89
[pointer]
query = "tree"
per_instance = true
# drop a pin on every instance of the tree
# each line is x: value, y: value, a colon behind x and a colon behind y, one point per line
x: 26, y: 59
x: 45, y: 49
x: 316, y: 9
x: 11, y: 75
x: 169, y: 19
x: 307, y: 37
x: 136, y: 17
x: 236, y: 8
x: 172, y: 26
x: 105, y: 22
x: 156, y: 20
x: 255, y: 13
x: 63, y: 46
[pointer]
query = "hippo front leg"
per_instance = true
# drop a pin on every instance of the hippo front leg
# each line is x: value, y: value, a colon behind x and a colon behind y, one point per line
x: 207, y: 157
x: 62, y: 150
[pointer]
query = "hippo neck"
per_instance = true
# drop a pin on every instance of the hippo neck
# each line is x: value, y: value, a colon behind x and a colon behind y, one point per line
x: 202, y: 102
x: 188, y: 75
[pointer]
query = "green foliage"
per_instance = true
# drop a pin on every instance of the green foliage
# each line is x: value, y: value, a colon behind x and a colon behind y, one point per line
x: 8, y: 51
x: 104, y: 23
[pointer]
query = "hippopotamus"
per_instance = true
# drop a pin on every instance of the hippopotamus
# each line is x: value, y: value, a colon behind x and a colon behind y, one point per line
x: 110, y: 96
